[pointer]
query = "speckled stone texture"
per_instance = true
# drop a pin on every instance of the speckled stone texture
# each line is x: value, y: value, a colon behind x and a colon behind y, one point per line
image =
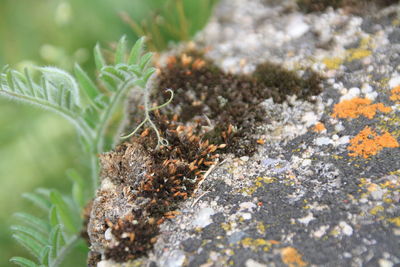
x: 317, y: 192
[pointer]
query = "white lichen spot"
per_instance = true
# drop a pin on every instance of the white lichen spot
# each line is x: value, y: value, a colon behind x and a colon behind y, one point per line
x: 203, y: 218
x: 346, y: 228
x: 323, y: 141
x: 306, y: 220
x: 253, y: 263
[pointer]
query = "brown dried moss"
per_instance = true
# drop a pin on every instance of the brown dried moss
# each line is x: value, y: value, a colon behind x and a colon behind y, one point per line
x: 354, y: 6
x: 165, y: 177
x: 230, y: 102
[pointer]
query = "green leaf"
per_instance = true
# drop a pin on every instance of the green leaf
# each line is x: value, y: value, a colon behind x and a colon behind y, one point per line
x: 38, y: 224
x: 145, y: 60
x: 53, y: 217
x: 63, y: 211
x: 77, y: 188
x: 38, y: 236
x: 136, y: 51
x: 98, y: 57
x: 121, y: 51
x: 61, y: 79
x: 38, y: 200
x: 86, y: 84
x: 54, y: 241
x: 23, y: 262
x: 148, y: 73
x: 44, y: 255
x: 33, y: 246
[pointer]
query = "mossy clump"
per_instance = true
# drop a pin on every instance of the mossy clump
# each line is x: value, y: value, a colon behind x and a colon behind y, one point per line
x: 229, y: 103
x: 352, y: 5
x: 283, y: 82
x: 169, y: 175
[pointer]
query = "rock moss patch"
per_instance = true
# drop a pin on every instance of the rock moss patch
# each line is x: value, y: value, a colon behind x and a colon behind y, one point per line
x: 229, y: 104
x: 354, y: 6
x: 147, y: 185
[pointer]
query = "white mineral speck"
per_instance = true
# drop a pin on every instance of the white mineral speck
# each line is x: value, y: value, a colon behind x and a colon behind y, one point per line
x: 323, y: 141
x: 306, y: 220
x: 107, y: 234
x: 372, y: 96
x: 309, y: 118
x: 339, y: 127
x: 253, y: 263
x: 296, y: 27
x: 175, y: 259
x: 246, y: 215
x: 346, y: 228
x: 306, y: 162
x: 352, y: 93
x: 343, y: 140
x: 321, y: 231
x: 377, y: 194
x: 247, y: 206
x: 394, y: 81
x: 203, y: 218
x: 385, y: 263
x: 366, y: 88
x: 244, y: 158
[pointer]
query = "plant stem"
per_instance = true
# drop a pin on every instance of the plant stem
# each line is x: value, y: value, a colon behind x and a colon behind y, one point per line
x: 64, y: 251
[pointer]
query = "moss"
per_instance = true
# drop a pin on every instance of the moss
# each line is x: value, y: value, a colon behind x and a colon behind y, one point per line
x: 167, y: 176
x: 352, y: 5
x: 230, y: 102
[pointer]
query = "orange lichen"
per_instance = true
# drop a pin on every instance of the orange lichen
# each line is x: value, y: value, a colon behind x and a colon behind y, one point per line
x: 319, y: 127
x: 261, y: 141
x: 358, y: 106
x: 368, y: 143
x: 395, y: 94
x: 291, y: 257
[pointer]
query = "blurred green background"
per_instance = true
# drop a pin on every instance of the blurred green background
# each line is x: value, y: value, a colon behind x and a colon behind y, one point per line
x: 36, y: 148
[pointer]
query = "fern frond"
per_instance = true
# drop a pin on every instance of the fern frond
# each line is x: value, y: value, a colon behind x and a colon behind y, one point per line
x: 49, y: 242
x: 23, y: 262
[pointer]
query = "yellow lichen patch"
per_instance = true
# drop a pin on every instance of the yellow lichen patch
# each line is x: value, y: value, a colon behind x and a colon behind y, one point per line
x: 356, y: 107
x: 368, y: 143
x: 259, y: 243
x: 395, y: 94
x: 357, y: 53
x: 333, y: 63
x: 395, y: 221
x: 377, y: 209
x: 261, y: 228
x: 291, y: 257
x: 226, y: 226
x: 319, y: 127
x: 260, y: 181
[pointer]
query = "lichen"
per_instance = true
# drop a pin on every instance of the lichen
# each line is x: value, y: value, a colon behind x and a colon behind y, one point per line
x: 395, y: 94
x: 319, y: 127
x: 356, y: 107
x: 368, y: 143
x: 291, y: 257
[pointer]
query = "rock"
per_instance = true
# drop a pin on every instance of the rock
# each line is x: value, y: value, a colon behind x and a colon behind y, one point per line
x: 305, y: 197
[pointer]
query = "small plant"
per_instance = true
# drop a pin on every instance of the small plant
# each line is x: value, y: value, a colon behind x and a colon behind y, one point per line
x: 174, y: 21
x: 58, y: 91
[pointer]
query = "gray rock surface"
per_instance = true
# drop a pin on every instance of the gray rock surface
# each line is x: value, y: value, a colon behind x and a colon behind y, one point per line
x: 324, y: 189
